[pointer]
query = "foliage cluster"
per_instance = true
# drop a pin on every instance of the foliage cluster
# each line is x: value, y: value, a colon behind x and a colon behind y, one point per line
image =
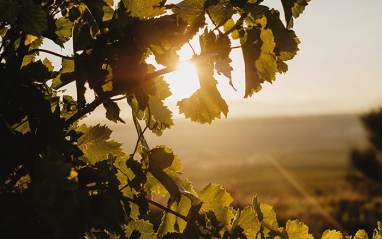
x: 61, y: 180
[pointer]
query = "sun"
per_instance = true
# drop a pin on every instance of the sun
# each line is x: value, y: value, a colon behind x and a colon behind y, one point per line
x: 184, y: 81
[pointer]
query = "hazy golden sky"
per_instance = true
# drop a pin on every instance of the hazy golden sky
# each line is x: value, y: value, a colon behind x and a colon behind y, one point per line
x: 337, y: 70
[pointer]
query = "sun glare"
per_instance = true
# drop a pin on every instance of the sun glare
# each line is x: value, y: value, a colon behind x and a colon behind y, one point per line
x: 184, y: 81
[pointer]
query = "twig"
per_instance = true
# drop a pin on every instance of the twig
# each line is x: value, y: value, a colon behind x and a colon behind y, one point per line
x: 50, y: 52
x: 64, y: 9
x: 87, y: 109
x: 167, y: 209
x: 139, y: 138
x: 119, y: 98
x: 140, y: 132
x: 193, y: 51
x: 235, y: 47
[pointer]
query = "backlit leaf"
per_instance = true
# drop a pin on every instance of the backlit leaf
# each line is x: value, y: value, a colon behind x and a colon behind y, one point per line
x: 139, y: 229
x: 217, y: 200
x: 190, y: 10
x: 165, y: 167
x: 220, y: 13
x: 293, y: 9
x: 248, y: 222
x: 64, y: 30
x: 144, y: 9
x: 206, y: 104
x: 95, y: 145
x: 297, y: 230
x: 286, y: 40
x: 361, y: 234
x: 332, y: 234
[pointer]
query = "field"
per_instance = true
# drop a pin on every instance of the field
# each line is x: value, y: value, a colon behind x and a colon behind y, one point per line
x: 297, y: 164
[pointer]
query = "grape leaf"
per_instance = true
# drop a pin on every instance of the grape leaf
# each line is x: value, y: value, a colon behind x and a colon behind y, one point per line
x: 165, y: 167
x: 361, y: 234
x: 220, y: 13
x: 332, y: 234
x: 206, y: 104
x: 161, y: 116
x: 144, y: 9
x: 95, y: 145
x: 144, y: 228
x: 266, y: 63
x: 251, y: 48
x: 293, y: 9
x: 65, y: 75
x: 190, y: 10
x: 171, y: 223
x: 64, y: 31
x: 222, y: 66
x: 34, y: 18
x: 286, y: 40
x: 247, y: 221
x: 112, y: 111
x: 39, y: 71
x: 297, y: 230
x: 217, y: 200
x: 268, y: 218
x: 9, y: 11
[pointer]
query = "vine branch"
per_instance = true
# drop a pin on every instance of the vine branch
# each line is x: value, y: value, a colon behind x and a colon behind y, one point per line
x: 50, y: 52
x: 167, y: 209
x: 87, y: 109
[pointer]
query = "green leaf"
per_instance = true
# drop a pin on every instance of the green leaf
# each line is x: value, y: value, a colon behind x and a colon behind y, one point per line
x: 165, y: 167
x: 248, y: 222
x: 206, y: 104
x: 101, y: 11
x: 268, y: 217
x: 222, y: 66
x: 9, y: 11
x: 332, y: 234
x: 297, y: 230
x: 190, y: 10
x: 361, y: 234
x: 140, y: 229
x: 293, y: 9
x: 220, y: 13
x: 171, y: 223
x: 161, y: 116
x: 64, y: 29
x: 34, y: 18
x: 286, y: 40
x: 95, y: 145
x: 39, y: 71
x: 217, y: 200
x: 66, y: 74
x: 266, y: 63
x: 144, y: 9
x: 251, y: 48
x: 112, y: 111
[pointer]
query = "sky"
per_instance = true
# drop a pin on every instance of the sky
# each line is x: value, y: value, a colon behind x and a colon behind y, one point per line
x: 336, y: 71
